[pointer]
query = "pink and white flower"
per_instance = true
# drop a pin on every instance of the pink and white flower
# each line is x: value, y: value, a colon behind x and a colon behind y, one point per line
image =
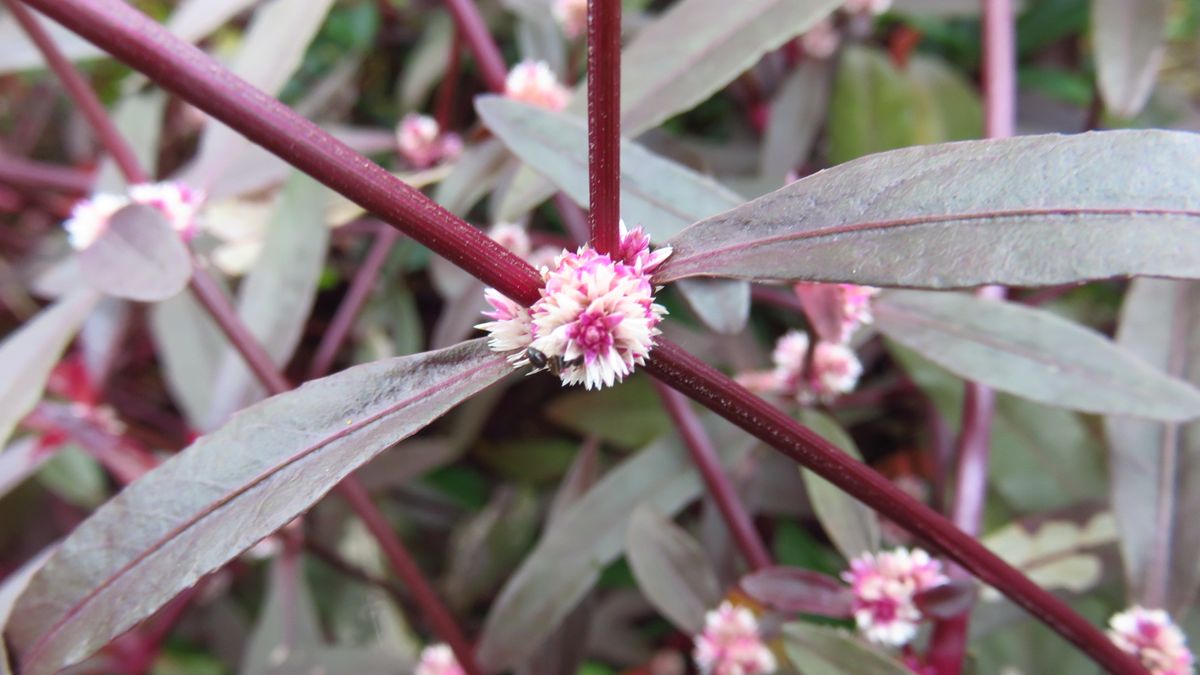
x: 867, y: 6
x: 1151, y: 636
x: 836, y: 310
x: 572, y: 16
x: 512, y: 237
x: 534, y: 83
x: 833, y: 369
x: 822, y: 40
x: 421, y: 142
x: 438, y: 660
x: 885, y: 586
x: 596, y: 319
x: 731, y: 645
x: 178, y: 202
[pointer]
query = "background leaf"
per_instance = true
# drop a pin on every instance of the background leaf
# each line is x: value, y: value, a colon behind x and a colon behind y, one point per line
x: 819, y: 650
x: 228, y: 490
x: 671, y: 569
x: 1031, y: 353
x: 797, y: 111
x: 138, y: 256
x: 853, y: 527
x: 962, y: 214
x: 794, y: 589
x: 1129, y: 39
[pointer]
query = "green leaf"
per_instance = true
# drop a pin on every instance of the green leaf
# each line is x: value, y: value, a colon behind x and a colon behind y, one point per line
x: 138, y: 256
x: 75, y: 477
x: 853, y: 527
x: 228, y: 490
x: 818, y: 650
x: 582, y: 541
x: 872, y: 108
x: 1055, y: 554
x: 671, y: 569
x: 276, y: 297
x: 1027, y: 211
x: 1155, y: 467
x: 1129, y: 39
x: 29, y: 353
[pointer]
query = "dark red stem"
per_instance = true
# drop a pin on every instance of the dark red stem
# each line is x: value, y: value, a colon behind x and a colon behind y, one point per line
x: 708, y: 463
x: 604, y: 122
x: 194, y: 76
x: 483, y: 47
x: 445, y: 97
x: 356, y: 296
x: 30, y: 175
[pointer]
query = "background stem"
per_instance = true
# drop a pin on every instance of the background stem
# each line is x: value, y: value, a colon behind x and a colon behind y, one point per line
x: 604, y: 123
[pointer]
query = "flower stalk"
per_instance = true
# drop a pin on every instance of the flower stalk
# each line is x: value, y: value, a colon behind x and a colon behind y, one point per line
x: 604, y: 122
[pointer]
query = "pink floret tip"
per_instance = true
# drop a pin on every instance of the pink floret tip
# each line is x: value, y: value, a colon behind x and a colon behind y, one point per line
x: 885, y: 586
x: 534, y: 83
x: 179, y: 203
x: 730, y: 644
x: 422, y: 144
x: 438, y: 660
x: 1151, y: 636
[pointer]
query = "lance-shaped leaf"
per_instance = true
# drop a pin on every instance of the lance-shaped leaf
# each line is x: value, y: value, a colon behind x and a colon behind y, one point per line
x: 797, y: 112
x: 228, y: 490
x: 671, y: 569
x: 1155, y: 467
x: 656, y: 193
x: 1022, y: 211
x: 829, y: 651
x: 10, y: 589
x: 28, y: 355
x: 1129, y: 38
x: 853, y: 527
x: 794, y: 589
x: 138, y: 256
x: 1032, y: 353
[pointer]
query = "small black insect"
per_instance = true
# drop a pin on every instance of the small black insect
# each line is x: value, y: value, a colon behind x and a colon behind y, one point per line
x: 555, y: 364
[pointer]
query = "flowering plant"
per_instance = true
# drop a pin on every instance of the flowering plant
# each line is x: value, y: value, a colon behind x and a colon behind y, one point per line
x: 882, y: 466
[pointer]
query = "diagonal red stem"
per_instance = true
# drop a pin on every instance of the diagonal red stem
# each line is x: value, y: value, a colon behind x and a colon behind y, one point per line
x: 604, y: 122
x: 191, y: 74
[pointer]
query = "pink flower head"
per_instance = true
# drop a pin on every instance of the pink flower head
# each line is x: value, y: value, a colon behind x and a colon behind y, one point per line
x: 834, y: 370
x: 421, y: 142
x: 730, y: 644
x: 789, y: 355
x: 180, y: 203
x: 836, y: 310
x: 1151, y: 636
x: 867, y: 6
x: 89, y: 217
x: 511, y: 326
x: 822, y: 40
x: 534, y: 83
x: 438, y: 660
x: 634, y: 250
x: 512, y: 237
x: 885, y: 586
x: 572, y: 16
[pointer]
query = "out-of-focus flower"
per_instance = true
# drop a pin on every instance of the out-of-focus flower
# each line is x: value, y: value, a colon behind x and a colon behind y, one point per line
x: 822, y: 40
x: 596, y: 319
x: 731, y: 645
x: 178, y: 203
x: 833, y: 370
x: 885, y: 586
x: 534, y: 83
x: 512, y: 237
x: 438, y: 660
x: 836, y: 310
x: 421, y: 142
x: 572, y: 16
x: 867, y: 6
x: 1151, y: 636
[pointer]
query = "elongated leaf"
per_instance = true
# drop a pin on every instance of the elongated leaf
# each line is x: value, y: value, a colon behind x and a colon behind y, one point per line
x: 138, y: 256
x: 797, y: 112
x: 1022, y: 211
x: 1032, y: 353
x: 21, y: 460
x: 1057, y: 554
x: 227, y: 491
x: 28, y: 355
x: 852, y: 526
x: 189, y: 347
x: 426, y: 62
x: 671, y: 569
x: 793, y: 589
x: 276, y: 297
x: 819, y: 650
x: 656, y: 193
x: 1130, y: 39
x: 1155, y: 467
x: 12, y: 586
x: 566, y: 562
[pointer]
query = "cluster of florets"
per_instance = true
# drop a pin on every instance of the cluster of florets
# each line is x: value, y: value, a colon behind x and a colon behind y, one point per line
x: 572, y: 16
x: 438, y: 660
x: 533, y: 82
x: 178, y: 203
x: 422, y: 144
x: 1151, y: 636
x: 596, y: 319
x: 730, y: 644
x: 885, y: 588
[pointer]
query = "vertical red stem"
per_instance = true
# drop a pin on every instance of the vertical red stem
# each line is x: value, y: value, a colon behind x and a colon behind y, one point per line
x: 483, y: 47
x: 604, y: 122
x: 445, y: 100
x: 700, y: 447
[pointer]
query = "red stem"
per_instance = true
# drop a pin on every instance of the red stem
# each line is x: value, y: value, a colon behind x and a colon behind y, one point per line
x: 81, y: 92
x: 604, y: 122
x: 356, y: 296
x: 483, y: 47
x: 194, y: 76
x: 30, y: 175
x: 446, y: 93
x: 700, y: 447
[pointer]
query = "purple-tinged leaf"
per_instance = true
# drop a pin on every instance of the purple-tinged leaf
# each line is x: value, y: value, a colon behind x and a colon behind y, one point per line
x: 948, y: 600
x: 138, y: 256
x: 228, y: 490
x: 824, y: 308
x: 1032, y: 353
x: 189, y: 346
x: 671, y: 569
x: 580, y: 478
x: 830, y: 651
x: 796, y: 115
x: 1155, y: 467
x: 485, y: 548
x: 853, y: 527
x: 792, y: 589
x: 28, y: 355
x: 1129, y: 39
x: 12, y: 586
x: 1027, y: 211
x: 21, y: 460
